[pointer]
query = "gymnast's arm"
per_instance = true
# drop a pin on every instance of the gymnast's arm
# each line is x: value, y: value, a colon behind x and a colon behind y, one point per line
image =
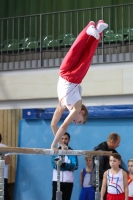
x: 7, y: 159
x: 104, y: 185
x: 56, y: 118
x: 125, y: 184
x: 81, y: 178
x: 76, y: 109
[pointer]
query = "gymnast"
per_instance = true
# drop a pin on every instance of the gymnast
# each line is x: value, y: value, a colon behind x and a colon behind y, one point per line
x: 72, y: 71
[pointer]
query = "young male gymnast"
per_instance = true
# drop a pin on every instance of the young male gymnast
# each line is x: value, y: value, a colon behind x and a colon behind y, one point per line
x: 72, y: 71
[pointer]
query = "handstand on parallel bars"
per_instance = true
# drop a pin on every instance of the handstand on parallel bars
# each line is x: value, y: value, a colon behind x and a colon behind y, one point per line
x: 41, y: 151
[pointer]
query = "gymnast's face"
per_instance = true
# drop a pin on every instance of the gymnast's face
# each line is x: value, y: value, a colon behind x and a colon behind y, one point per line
x: 89, y: 162
x: 78, y: 119
x: 114, y: 162
x: 130, y: 167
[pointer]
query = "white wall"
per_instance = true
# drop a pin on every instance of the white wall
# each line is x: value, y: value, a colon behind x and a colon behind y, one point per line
x: 114, y: 80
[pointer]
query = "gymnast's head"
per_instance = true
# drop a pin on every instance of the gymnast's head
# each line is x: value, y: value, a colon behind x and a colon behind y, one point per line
x: 81, y: 118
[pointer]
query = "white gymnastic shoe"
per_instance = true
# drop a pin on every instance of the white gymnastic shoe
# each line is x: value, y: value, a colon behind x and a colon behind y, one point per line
x: 101, y: 26
x: 91, y: 30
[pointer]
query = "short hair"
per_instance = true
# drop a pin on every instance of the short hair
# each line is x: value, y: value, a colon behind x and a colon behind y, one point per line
x: 89, y: 156
x: 85, y: 115
x: 113, y: 136
x: 130, y: 160
x: 67, y: 135
x: 116, y: 156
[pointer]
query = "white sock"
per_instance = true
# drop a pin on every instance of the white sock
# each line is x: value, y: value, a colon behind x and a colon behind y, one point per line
x: 101, y: 26
x: 91, y: 30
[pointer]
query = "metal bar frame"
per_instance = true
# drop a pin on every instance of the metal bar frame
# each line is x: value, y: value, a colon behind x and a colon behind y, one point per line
x: 41, y: 30
x: 2, y: 165
x: 83, y: 9
x: 38, y: 151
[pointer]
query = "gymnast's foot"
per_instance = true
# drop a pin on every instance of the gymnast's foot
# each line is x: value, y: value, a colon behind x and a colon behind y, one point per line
x: 91, y: 30
x: 101, y: 26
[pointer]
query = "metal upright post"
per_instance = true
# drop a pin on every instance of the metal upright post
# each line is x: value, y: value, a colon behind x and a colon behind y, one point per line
x: 97, y: 193
x: 58, y: 192
x: 41, y: 61
x: 103, y: 56
x: 2, y: 165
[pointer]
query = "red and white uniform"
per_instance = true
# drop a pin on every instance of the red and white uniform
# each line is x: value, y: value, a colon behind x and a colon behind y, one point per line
x: 130, y: 188
x: 78, y: 59
x: 75, y: 66
x: 115, y: 186
x: 68, y: 93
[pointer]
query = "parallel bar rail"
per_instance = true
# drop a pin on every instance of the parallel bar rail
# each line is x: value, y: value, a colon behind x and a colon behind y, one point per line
x: 41, y: 151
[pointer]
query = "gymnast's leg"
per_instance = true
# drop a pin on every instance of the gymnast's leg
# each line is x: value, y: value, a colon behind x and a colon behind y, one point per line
x: 77, y: 61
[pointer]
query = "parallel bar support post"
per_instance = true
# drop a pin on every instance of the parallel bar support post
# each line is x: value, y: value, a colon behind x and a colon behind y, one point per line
x: 97, y: 193
x: 58, y: 192
x: 2, y: 165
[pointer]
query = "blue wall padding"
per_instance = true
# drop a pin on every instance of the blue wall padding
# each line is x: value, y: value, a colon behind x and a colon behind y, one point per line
x: 94, y: 112
x: 34, y: 172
